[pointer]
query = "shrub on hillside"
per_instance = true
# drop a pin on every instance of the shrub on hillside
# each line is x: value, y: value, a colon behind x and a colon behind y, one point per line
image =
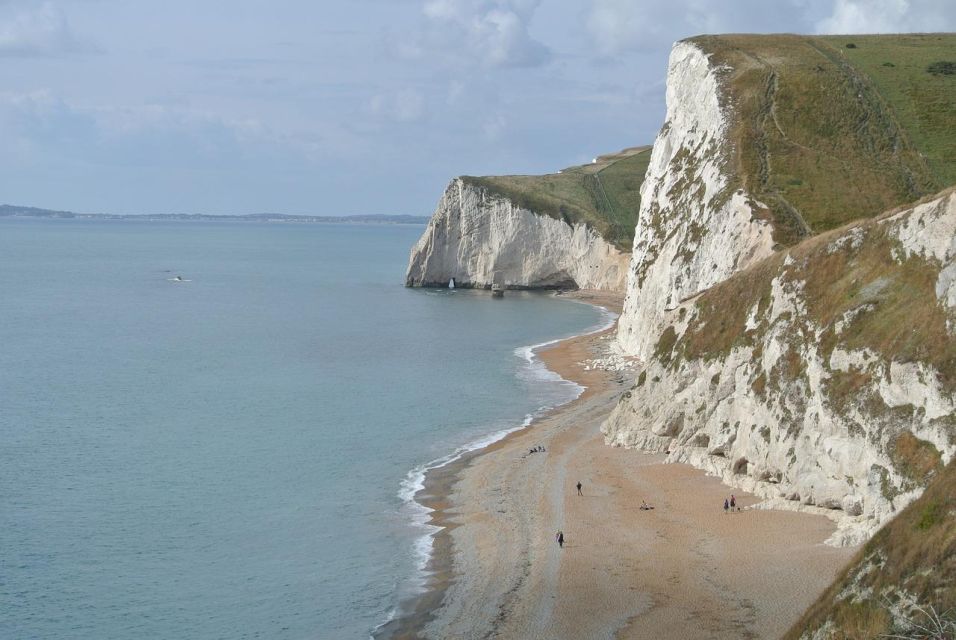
x: 942, y: 68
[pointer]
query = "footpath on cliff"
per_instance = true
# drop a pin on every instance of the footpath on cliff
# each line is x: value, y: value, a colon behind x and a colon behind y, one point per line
x: 682, y: 569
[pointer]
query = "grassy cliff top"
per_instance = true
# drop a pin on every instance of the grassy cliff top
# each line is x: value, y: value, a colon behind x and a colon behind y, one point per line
x: 605, y: 195
x: 831, y: 129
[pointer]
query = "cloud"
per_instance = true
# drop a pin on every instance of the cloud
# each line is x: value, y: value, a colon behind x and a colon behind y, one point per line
x: 616, y: 26
x: 40, y: 124
x: 494, y: 126
x: 37, y: 30
x: 483, y: 33
x: 889, y: 16
x: 405, y: 105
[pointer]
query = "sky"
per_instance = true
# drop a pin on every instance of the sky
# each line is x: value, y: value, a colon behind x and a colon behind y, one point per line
x: 347, y: 107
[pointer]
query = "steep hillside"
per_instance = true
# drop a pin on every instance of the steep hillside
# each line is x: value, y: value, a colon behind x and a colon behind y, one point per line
x: 820, y: 139
x: 796, y: 341
x: 567, y: 229
x: 902, y: 579
x: 770, y: 140
x: 823, y: 375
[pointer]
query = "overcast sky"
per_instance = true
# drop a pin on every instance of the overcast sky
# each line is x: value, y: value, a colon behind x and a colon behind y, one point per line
x: 354, y: 106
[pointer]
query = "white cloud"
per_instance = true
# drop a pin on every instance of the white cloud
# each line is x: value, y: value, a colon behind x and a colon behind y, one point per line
x: 494, y: 126
x: 32, y: 30
x: 405, y: 105
x: 616, y: 26
x: 116, y: 134
x: 889, y: 16
x: 486, y: 33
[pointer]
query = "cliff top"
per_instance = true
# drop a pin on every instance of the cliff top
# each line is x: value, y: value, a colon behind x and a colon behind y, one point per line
x: 605, y: 194
x: 826, y: 130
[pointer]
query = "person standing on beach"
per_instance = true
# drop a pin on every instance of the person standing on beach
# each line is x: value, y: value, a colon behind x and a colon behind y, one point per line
x: 579, y: 488
x: 726, y: 505
x: 733, y: 502
x: 559, y: 536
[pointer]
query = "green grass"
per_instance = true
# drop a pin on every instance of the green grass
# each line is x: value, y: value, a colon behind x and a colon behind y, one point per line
x: 604, y: 195
x: 824, y: 135
x: 923, y: 102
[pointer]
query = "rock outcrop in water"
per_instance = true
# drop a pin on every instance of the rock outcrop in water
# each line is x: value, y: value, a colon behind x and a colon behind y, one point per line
x: 476, y: 234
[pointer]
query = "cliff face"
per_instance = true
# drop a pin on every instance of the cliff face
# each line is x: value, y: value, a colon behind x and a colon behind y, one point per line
x: 823, y: 375
x: 694, y: 230
x: 805, y: 360
x: 475, y: 234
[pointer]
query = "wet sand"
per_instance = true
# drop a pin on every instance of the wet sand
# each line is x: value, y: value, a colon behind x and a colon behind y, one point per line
x: 682, y: 570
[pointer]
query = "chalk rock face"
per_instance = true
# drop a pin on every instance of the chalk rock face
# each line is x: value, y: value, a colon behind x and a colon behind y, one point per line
x: 475, y: 234
x: 694, y: 229
x: 823, y: 375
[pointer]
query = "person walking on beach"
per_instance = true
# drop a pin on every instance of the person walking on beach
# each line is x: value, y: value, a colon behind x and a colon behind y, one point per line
x: 579, y: 488
x: 733, y: 502
x: 726, y: 505
x: 559, y: 536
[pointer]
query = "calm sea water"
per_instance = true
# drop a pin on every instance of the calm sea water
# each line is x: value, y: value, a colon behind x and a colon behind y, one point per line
x: 227, y: 457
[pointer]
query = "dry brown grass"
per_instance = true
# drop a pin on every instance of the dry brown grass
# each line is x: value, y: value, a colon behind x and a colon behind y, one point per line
x: 915, y: 552
x: 916, y: 459
x: 886, y: 306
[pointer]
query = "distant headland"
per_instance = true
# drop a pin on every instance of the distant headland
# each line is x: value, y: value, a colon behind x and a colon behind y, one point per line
x: 13, y: 211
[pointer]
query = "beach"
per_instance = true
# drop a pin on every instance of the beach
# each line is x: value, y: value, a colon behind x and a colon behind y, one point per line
x: 683, y: 569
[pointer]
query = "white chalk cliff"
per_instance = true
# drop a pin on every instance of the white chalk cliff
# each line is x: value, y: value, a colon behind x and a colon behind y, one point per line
x: 693, y: 229
x: 799, y: 408
x: 475, y: 234
x: 783, y: 400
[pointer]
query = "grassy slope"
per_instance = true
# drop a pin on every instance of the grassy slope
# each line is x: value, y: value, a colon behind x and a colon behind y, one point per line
x: 824, y: 134
x: 923, y: 102
x: 604, y: 195
x: 895, y: 309
x: 916, y: 551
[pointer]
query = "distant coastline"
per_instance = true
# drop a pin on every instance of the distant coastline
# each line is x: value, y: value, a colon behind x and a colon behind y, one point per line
x: 12, y: 211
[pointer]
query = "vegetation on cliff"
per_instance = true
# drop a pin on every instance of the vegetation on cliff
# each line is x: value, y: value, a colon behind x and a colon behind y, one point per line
x: 824, y: 133
x: 855, y: 294
x: 903, y: 577
x: 605, y: 195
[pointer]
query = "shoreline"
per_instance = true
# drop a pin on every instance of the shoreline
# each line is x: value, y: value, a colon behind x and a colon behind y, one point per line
x: 438, y: 482
x: 684, y: 569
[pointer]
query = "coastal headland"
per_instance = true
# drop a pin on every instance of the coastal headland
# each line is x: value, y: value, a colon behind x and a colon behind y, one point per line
x: 684, y: 568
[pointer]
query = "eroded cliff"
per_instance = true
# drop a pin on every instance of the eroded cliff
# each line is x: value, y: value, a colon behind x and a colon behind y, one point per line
x: 476, y: 235
x: 569, y: 229
x: 693, y: 229
x: 823, y: 375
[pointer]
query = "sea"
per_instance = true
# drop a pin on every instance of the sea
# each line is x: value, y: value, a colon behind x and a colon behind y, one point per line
x: 216, y: 429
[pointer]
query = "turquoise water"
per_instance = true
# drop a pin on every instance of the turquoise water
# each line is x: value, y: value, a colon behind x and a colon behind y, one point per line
x: 227, y: 457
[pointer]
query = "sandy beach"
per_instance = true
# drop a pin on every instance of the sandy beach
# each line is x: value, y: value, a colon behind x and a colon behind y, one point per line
x: 684, y: 569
